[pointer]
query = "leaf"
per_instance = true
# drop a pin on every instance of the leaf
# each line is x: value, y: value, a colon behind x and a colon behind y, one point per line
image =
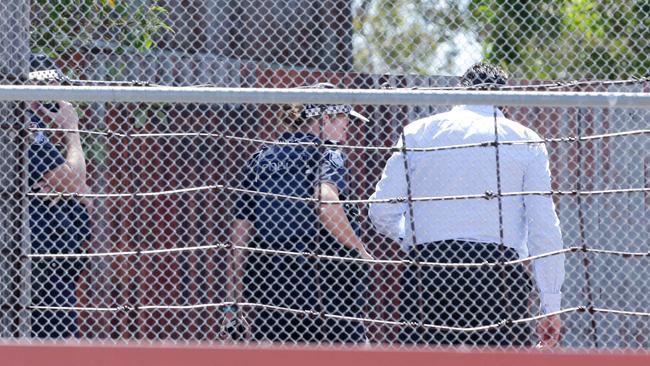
x: 110, y: 3
x: 167, y: 28
x: 140, y: 118
x: 79, y: 110
x: 162, y: 117
x: 120, y: 10
x: 95, y: 149
x: 158, y: 9
x: 147, y: 40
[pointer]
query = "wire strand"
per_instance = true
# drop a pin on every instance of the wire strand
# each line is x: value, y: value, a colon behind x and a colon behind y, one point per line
x: 547, y: 86
x: 490, y: 143
x: 501, y: 323
x: 488, y: 195
x: 574, y: 249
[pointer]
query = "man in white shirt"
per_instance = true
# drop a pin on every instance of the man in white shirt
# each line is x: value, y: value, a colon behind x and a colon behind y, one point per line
x: 472, y: 230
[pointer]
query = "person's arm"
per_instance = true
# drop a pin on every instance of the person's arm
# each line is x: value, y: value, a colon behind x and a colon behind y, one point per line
x: 241, y: 229
x: 69, y: 177
x: 240, y: 235
x: 234, y: 325
x: 336, y: 222
x: 544, y: 236
x: 389, y: 218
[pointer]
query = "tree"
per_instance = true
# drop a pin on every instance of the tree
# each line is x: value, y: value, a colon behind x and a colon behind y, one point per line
x: 64, y: 27
x: 533, y: 39
x: 550, y: 39
x: 60, y: 25
x: 405, y: 36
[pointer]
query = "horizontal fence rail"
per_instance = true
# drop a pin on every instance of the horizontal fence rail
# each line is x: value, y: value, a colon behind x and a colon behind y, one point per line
x: 342, y: 96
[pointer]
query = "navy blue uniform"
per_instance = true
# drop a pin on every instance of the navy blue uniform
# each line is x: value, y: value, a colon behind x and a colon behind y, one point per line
x: 61, y: 228
x: 283, y: 224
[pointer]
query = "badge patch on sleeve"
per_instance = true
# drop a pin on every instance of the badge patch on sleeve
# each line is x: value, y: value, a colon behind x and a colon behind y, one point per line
x: 37, y: 136
x: 335, y: 158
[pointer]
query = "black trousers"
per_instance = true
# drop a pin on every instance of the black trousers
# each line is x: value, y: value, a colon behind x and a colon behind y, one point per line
x: 60, y: 229
x: 54, y: 282
x: 320, y: 286
x: 464, y: 297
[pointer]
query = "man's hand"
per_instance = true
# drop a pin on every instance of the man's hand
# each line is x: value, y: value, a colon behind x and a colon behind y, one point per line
x: 234, y: 326
x: 549, y: 331
x: 364, y: 253
x: 71, y: 176
x: 66, y: 117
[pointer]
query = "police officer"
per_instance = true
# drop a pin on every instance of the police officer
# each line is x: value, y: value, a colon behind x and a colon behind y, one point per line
x: 57, y: 225
x: 304, y: 171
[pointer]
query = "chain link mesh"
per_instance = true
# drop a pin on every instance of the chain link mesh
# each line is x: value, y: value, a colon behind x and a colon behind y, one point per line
x: 127, y: 229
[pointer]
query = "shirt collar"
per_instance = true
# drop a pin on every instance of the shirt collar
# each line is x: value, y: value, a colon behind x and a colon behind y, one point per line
x: 298, y: 137
x: 304, y: 137
x: 484, y: 110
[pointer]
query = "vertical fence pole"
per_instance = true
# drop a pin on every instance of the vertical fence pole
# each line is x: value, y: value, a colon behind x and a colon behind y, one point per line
x: 14, y: 204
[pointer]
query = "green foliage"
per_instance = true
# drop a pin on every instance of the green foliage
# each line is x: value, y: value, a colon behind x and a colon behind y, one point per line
x: 568, y: 39
x: 403, y: 36
x: 534, y: 39
x: 59, y: 25
x: 95, y: 149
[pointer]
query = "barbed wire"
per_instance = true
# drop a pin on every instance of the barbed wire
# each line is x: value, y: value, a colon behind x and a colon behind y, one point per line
x: 168, y: 192
x: 312, y: 255
x: 313, y: 313
x: 556, y: 85
x: 490, y: 143
x: 487, y: 195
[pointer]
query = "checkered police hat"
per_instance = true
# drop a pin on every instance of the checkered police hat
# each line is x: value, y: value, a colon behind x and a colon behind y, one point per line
x: 43, y: 68
x: 313, y: 110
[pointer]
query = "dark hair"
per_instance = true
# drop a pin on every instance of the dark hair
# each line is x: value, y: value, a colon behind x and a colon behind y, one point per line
x: 484, y: 75
x: 39, y: 62
x: 291, y: 116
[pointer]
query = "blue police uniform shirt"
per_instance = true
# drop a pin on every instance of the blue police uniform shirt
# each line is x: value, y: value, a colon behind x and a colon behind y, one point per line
x: 286, y: 224
x: 64, y: 226
x: 292, y: 171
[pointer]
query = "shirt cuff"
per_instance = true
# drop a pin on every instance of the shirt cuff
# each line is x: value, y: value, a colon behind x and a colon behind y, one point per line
x: 550, y: 302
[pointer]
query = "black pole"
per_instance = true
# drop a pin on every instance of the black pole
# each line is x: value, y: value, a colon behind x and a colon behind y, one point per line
x: 581, y: 223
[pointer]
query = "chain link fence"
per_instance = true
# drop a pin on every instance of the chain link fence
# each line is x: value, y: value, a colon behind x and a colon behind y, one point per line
x: 132, y: 224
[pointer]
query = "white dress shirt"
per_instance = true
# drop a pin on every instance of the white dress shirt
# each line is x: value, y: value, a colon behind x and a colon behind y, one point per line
x: 530, y: 224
